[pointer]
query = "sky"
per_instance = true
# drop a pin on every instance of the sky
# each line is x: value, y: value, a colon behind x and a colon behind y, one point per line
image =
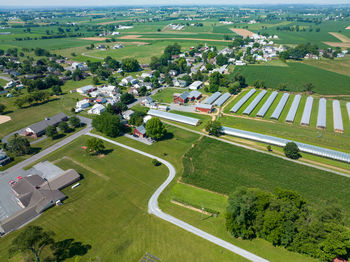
x: 36, y: 3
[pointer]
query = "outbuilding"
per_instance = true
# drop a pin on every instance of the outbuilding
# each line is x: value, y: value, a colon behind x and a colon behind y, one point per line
x: 204, y: 108
x: 140, y: 131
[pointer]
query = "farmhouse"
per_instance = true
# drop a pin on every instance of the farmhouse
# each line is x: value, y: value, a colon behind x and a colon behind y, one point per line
x: 35, y: 194
x: 86, y: 89
x: 140, y: 131
x: 97, y: 109
x: 204, y: 108
x: 38, y: 129
x: 127, y: 114
x: 82, y: 104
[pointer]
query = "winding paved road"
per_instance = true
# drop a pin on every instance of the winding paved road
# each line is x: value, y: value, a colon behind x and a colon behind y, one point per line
x: 154, y: 209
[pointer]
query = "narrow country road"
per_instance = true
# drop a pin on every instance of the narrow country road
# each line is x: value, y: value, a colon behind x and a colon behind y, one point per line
x: 51, y: 149
x: 154, y: 209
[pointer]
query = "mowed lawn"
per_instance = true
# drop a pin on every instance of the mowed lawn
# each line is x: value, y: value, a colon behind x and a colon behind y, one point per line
x: 295, y: 76
x: 22, y: 117
x: 108, y: 211
x: 221, y: 167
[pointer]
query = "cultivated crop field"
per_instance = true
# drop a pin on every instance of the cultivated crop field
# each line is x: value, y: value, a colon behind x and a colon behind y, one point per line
x: 222, y: 168
x: 295, y: 76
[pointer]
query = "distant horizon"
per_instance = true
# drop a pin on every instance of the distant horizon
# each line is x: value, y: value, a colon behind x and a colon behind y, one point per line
x: 145, y: 3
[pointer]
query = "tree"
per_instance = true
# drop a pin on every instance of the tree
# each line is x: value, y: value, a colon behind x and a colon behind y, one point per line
x: 155, y: 128
x: 234, y: 88
x: 94, y: 145
x: 155, y: 162
x: 291, y: 150
x: 32, y: 240
x: 74, y: 121
x: 213, y: 128
x: 127, y: 98
x: 18, y: 145
x: 136, y: 119
x: 77, y: 75
x: 57, y: 90
x: 108, y: 124
x: 64, y: 127
x: 2, y: 108
x: 130, y: 65
x: 51, y: 131
x: 309, y: 87
x: 221, y: 60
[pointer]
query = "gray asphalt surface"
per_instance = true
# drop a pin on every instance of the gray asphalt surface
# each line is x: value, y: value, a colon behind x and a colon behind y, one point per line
x: 51, y: 149
x: 154, y: 209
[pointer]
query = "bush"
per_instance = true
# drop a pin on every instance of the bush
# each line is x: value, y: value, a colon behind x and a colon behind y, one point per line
x: 291, y: 150
x: 155, y: 162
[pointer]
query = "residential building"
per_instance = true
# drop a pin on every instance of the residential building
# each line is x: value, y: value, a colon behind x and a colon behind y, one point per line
x: 97, y: 109
x: 4, y: 159
x: 196, y: 85
x: 127, y: 114
x: 38, y: 129
x: 86, y: 89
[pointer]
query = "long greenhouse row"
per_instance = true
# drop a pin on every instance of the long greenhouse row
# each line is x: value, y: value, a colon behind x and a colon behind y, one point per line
x: 253, y: 98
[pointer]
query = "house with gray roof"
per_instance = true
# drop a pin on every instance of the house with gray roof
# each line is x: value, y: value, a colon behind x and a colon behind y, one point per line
x: 38, y: 129
x: 34, y: 195
x: 4, y: 159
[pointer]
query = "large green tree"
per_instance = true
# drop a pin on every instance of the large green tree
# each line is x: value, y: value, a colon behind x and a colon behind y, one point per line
x: 32, y: 240
x: 94, y: 145
x: 155, y: 128
x: 2, y: 108
x: 51, y: 131
x: 18, y: 145
x: 130, y: 65
x: 108, y: 124
x: 213, y: 128
x: 291, y: 150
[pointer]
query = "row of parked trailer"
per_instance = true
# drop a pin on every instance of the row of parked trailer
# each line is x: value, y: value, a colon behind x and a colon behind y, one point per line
x: 305, y: 120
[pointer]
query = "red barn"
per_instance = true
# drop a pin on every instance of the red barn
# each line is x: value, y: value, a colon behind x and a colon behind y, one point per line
x: 204, y: 108
x: 181, y: 99
x: 140, y: 131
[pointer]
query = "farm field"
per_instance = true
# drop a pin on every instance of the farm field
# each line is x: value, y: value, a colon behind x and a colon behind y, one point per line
x: 122, y: 192
x: 228, y: 167
x: 341, y: 66
x: 295, y: 76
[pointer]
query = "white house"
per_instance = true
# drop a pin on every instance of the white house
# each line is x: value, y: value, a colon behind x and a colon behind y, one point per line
x: 97, y: 109
x: 116, y: 33
x: 86, y: 89
x: 127, y: 114
x: 82, y: 104
x: 118, y: 46
x: 196, y: 85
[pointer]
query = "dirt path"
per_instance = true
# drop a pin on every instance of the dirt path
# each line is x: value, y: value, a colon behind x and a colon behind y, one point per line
x: 242, y: 32
x: 91, y: 56
x: 191, y: 208
x: 83, y: 166
x: 341, y: 37
x: 345, y: 41
x: 97, y: 38
x: 4, y: 119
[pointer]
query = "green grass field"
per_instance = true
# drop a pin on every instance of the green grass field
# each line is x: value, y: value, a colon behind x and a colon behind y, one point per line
x: 295, y: 76
x: 166, y: 95
x: 109, y: 211
x: 228, y: 167
x: 22, y: 117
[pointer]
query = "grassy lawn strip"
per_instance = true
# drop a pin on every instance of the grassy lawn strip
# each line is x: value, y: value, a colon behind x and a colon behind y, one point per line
x: 222, y: 168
